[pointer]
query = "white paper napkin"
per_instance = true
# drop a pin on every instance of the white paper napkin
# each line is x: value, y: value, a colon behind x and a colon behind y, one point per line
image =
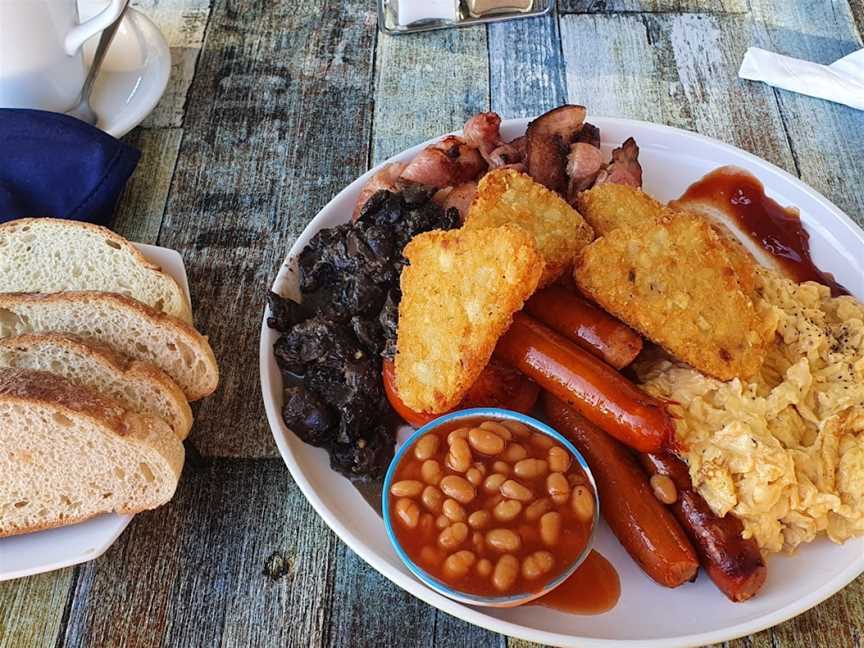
x: 842, y: 81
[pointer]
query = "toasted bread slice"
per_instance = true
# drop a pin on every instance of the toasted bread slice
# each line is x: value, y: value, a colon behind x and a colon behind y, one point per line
x: 673, y: 281
x: 69, y: 454
x: 139, y: 387
x: 121, y: 323
x: 52, y: 255
x: 506, y: 196
x: 459, y: 293
x: 609, y: 206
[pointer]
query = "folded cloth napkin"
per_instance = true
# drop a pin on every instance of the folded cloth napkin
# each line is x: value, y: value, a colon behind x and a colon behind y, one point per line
x: 841, y: 82
x: 56, y: 165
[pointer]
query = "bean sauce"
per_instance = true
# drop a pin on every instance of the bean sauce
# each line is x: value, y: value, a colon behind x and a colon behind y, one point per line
x: 494, y: 518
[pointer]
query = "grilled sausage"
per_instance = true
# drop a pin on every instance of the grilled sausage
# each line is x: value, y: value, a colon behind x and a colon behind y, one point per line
x: 643, y: 525
x: 733, y: 563
x: 588, y: 326
x: 589, y: 385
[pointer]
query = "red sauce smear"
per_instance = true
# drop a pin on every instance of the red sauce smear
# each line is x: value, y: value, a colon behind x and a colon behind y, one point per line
x: 594, y: 588
x: 777, y: 229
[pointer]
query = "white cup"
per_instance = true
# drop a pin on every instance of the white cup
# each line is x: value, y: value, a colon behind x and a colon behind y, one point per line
x: 41, y: 65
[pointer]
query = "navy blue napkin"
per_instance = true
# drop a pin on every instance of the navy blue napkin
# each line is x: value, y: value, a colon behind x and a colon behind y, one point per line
x: 56, y: 165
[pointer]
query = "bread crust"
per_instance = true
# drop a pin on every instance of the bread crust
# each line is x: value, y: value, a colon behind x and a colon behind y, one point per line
x: 115, y: 363
x: 144, y: 262
x: 13, y: 301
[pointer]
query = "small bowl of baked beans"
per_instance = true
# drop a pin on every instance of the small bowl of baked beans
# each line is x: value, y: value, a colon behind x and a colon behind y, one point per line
x: 490, y: 507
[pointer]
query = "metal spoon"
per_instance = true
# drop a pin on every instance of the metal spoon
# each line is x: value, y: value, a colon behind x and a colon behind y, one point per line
x: 84, y: 111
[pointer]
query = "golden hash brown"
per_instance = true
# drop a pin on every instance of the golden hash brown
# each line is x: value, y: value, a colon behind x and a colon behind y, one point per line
x: 507, y: 196
x: 609, y: 206
x: 673, y: 280
x: 459, y: 293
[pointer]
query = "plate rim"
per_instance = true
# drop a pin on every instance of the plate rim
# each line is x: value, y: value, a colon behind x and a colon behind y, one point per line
x: 472, y: 615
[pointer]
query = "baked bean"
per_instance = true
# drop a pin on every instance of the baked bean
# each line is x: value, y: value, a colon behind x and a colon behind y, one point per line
x: 664, y: 488
x: 453, y: 510
x: 442, y: 522
x: 431, y: 556
x: 485, y: 442
x: 576, y: 479
x: 458, y: 564
x: 479, y: 465
x: 514, y: 452
x: 427, y: 524
x: 484, y: 567
x: 479, y: 519
x: 542, y: 441
x: 406, y: 488
x: 408, y: 512
x: 517, y: 428
x: 558, y: 488
x: 504, y: 540
x: 537, y: 564
x: 582, y: 503
x: 550, y: 528
x: 432, y: 499
x: 453, y: 536
x: 459, y: 457
x: 493, y: 482
x: 506, y: 572
x: 426, y: 447
x: 502, y: 467
x: 515, y: 490
x: 538, y: 508
x: 431, y: 472
x: 507, y: 510
x: 479, y: 542
x: 498, y: 429
x: 559, y: 459
x: 458, y: 488
x: 474, y: 476
x: 531, y: 468
x: 461, y: 433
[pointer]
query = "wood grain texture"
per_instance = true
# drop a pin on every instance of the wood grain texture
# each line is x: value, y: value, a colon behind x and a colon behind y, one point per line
x: 827, y: 139
x: 652, y: 6
x: 857, y: 7
x: 31, y: 609
x: 183, y: 23
x: 238, y: 558
x: 427, y: 84
x: 142, y: 204
x: 526, y: 67
x: 680, y: 70
x: 277, y: 122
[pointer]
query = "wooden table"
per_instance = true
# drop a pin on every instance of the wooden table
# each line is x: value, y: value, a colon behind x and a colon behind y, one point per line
x: 275, y: 105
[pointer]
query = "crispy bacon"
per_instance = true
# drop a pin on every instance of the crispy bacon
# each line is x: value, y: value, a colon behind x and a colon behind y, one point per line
x: 448, y: 162
x: 584, y: 163
x: 624, y: 168
x: 386, y: 178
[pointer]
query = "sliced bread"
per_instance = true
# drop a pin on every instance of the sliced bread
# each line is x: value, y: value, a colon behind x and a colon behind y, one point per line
x: 52, y: 255
x: 139, y: 387
x: 69, y: 454
x: 124, y: 324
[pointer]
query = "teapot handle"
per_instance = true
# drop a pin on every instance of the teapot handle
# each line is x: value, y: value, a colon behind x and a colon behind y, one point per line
x: 81, y: 33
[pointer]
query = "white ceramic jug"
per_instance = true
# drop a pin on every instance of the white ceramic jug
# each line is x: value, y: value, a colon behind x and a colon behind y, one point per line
x: 41, y: 65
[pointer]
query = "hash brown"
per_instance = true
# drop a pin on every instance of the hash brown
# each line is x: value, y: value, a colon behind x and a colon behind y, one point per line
x: 507, y: 196
x: 459, y: 293
x: 673, y: 280
x: 609, y: 206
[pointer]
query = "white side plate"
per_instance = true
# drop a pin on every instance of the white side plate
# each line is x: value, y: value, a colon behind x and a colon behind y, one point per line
x: 34, y: 553
x: 647, y: 614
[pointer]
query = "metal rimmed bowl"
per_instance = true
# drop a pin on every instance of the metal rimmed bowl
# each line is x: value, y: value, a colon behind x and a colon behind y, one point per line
x: 494, y: 414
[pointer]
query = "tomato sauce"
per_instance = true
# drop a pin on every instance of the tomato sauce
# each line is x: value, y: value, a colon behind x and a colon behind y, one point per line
x: 739, y: 195
x: 594, y: 588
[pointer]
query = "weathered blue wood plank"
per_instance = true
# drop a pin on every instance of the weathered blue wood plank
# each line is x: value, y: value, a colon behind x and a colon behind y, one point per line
x: 651, y: 6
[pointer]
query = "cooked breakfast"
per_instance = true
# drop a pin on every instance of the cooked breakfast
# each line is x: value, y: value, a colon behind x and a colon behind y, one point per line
x: 98, y: 363
x: 719, y: 403
x: 491, y: 506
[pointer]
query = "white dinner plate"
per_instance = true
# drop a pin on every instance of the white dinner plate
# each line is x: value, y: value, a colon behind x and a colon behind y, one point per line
x: 35, y: 553
x: 646, y: 614
x: 134, y: 74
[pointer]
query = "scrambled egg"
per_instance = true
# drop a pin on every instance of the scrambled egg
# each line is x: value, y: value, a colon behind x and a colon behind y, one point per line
x: 784, y: 450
